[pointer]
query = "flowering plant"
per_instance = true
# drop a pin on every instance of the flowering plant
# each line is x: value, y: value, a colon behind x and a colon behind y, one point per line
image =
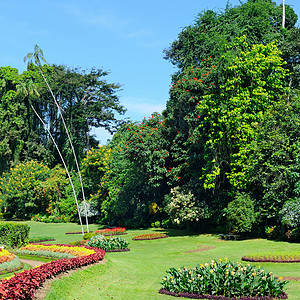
x: 223, y: 278
x: 75, y: 251
x: 150, y: 236
x: 112, y: 231
x: 108, y: 243
x: 24, y: 284
x: 5, y: 256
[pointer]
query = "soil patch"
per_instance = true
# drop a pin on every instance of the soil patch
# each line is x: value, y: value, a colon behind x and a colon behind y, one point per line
x: 201, y: 248
x: 45, y: 287
x: 291, y: 278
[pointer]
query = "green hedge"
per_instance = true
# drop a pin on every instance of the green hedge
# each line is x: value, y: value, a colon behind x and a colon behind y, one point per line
x: 14, y: 234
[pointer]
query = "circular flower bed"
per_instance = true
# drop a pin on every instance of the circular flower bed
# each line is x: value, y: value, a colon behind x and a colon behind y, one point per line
x: 225, y: 280
x: 150, y: 236
x: 281, y: 257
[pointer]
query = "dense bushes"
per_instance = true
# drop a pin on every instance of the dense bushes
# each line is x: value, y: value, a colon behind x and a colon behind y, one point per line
x: 240, y: 214
x: 14, y: 234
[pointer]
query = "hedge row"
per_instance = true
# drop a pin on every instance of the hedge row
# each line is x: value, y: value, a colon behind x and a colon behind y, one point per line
x: 14, y: 235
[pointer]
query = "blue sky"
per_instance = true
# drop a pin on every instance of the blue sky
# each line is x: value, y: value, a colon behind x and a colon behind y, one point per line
x: 126, y: 38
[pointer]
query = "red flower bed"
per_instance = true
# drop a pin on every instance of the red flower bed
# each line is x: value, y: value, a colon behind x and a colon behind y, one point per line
x: 23, y: 285
x: 150, y: 236
x: 112, y: 231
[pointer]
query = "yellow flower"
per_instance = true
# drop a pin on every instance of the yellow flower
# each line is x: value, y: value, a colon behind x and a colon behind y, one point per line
x: 211, y: 271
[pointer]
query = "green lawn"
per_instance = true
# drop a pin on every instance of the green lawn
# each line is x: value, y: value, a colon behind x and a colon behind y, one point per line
x: 136, y: 274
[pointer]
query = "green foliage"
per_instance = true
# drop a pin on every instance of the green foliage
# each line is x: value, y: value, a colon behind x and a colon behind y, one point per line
x: 240, y: 214
x: 224, y: 278
x: 295, y: 235
x: 88, y: 235
x: 137, y: 173
x: 31, y: 188
x: 37, y: 239
x: 290, y: 213
x: 273, y: 162
x: 182, y: 207
x: 108, y: 243
x: 13, y: 234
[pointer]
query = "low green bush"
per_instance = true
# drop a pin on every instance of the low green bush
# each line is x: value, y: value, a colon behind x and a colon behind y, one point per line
x: 88, y: 235
x: 295, y: 235
x: 223, y: 278
x: 14, y: 234
x: 108, y: 243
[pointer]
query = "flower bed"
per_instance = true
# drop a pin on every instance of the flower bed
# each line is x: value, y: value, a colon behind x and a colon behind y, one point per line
x: 109, y: 244
x: 39, y: 239
x: 77, y: 232
x: 9, y: 262
x: 76, y: 250
x: 223, y: 280
x: 150, y: 236
x: 280, y: 257
x: 5, y: 256
x: 23, y: 285
x: 112, y: 231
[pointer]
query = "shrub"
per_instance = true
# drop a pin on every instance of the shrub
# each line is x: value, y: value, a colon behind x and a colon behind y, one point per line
x: 88, y: 235
x: 240, y: 214
x: 223, y: 278
x: 181, y: 207
x: 150, y: 236
x: 108, y: 243
x: 290, y: 213
x: 166, y: 223
x: 51, y: 219
x: 295, y: 235
x: 13, y: 234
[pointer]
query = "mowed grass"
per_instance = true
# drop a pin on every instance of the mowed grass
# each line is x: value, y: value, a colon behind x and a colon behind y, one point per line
x: 137, y: 274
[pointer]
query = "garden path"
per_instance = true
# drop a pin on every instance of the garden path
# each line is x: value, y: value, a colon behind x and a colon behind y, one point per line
x: 33, y: 263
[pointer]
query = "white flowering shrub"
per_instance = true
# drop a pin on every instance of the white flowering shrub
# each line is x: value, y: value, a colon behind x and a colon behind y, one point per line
x: 290, y: 213
x: 182, y: 207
